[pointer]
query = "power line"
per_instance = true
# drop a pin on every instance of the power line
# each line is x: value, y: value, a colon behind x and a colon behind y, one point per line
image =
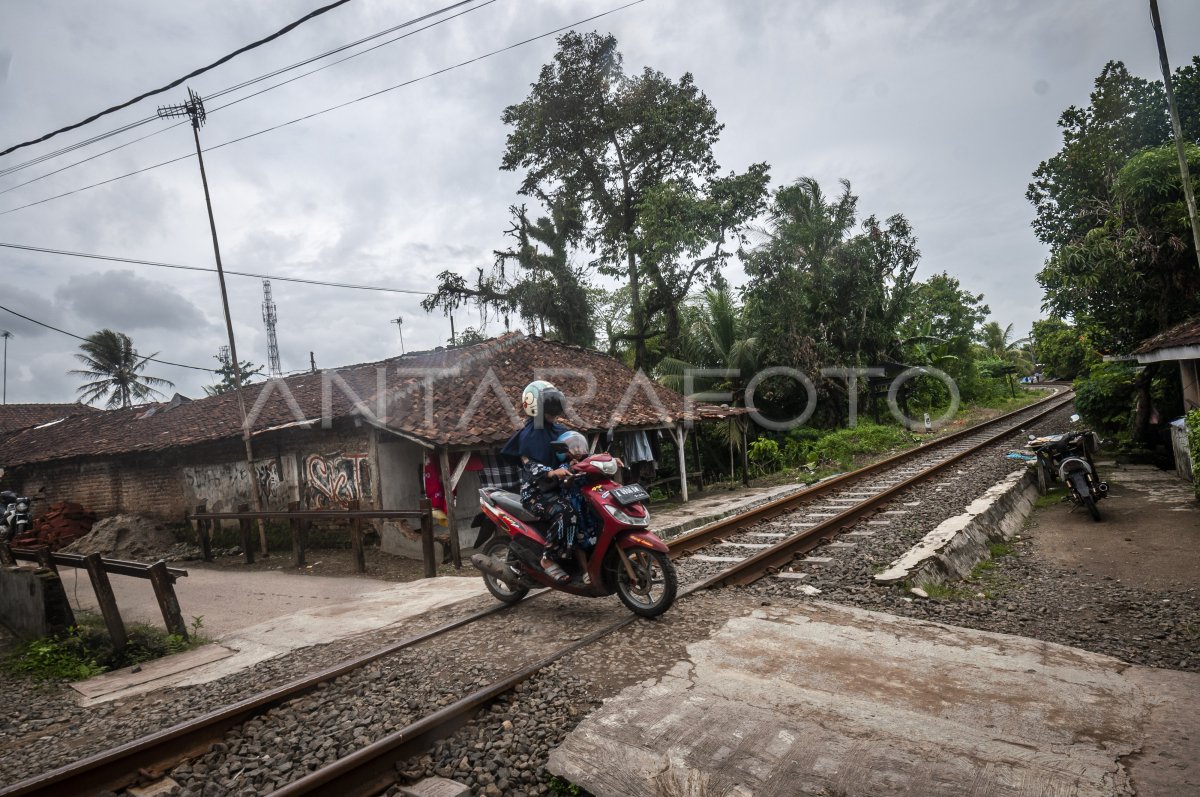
x: 178, y: 266
x: 174, y: 83
x: 333, y: 107
x: 80, y: 337
x: 243, y: 84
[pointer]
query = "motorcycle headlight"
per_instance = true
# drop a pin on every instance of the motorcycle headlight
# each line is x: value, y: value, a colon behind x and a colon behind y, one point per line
x: 22, y: 506
x: 609, y: 468
x: 628, y: 520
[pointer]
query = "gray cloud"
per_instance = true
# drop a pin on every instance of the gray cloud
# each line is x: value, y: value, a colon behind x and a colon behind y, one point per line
x: 939, y: 110
x: 124, y: 301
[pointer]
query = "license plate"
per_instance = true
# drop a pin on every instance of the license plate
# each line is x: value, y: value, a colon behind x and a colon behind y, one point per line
x: 630, y: 494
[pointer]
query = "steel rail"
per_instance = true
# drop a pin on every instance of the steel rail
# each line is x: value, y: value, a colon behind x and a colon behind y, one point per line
x: 119, y: 767
x: 372, y: 769
x: 770, y: 560
x: 703, y: 536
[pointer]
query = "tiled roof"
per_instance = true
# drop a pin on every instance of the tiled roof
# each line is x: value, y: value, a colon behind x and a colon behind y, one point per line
x: 22, y: 416
x: 466, y: 407
x: 1185, y: 334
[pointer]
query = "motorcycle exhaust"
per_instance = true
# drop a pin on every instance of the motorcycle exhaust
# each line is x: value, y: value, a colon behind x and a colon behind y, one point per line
x: 1102, y: 488
x: 495, y: 568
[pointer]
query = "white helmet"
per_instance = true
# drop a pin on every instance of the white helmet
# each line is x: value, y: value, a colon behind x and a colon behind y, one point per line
x: 541, y: 396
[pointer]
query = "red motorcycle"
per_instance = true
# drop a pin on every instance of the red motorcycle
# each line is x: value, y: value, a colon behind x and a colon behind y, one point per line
x: 619, y: 554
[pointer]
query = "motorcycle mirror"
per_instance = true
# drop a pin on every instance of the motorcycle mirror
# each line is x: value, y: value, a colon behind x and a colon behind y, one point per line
x: 1075, y: 418
x: 609, y: 437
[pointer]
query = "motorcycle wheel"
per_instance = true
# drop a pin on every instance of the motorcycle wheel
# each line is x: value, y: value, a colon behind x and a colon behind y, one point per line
x: 656, y: 585
x: 1093, y: 510
x: 498, y: 548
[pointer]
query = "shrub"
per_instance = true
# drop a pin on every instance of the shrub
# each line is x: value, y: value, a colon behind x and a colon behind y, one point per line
x: 1105, y: 397
x: 841, y: 446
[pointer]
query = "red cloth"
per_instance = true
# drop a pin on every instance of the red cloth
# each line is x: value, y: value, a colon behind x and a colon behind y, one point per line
x: 433, y: 484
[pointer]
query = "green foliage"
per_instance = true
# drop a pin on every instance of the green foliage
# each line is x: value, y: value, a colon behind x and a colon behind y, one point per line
x: 1062, y: 349
x: 534, y: 279
x: 559, y: 786
x: 1122, y: 263
x: 840, y: 447
x: 633, y: 154
x: 85, y: 650
x: 1105, y: 397
x: 764, y: 453
x: 115, y: 370
x: 225, y: 373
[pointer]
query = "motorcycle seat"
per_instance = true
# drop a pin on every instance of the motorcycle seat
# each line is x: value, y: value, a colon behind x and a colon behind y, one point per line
x: 511, y: 503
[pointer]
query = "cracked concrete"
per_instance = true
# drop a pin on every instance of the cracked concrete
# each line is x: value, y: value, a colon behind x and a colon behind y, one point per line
x: 828, y: 699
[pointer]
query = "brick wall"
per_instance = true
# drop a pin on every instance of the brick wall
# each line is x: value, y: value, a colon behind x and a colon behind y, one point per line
x: 153, y: 484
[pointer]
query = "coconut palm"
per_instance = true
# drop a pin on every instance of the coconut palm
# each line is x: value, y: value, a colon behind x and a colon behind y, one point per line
x: 114, y: 368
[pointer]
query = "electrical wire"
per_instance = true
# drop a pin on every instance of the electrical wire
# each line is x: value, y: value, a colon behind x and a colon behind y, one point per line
x: 285, y: 29
x: 80, y: 337
x: 156, y: 264
x: 332, y: 107
x: 48, y: 156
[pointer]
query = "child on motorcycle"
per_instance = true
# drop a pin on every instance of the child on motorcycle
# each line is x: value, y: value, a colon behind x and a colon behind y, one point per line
x: 543, y: 477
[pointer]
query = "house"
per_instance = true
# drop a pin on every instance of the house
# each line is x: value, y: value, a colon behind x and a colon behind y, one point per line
x: 373, y: 432
x: 1181, y: 344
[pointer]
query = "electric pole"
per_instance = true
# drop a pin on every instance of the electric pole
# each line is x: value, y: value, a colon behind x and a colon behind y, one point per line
x: 4, y: 333
x: 1175, y: 128
x: 194, y: 109
x: 399, y: 322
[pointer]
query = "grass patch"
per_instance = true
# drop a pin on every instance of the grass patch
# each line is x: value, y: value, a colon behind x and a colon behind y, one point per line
x: 559, y: 786
x: 1053, y: 496
x: 85, y: 650
x: 998, y: 549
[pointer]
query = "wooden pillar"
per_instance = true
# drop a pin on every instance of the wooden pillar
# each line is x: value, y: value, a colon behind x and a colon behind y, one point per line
x: 699, y: 460
x: 45, y: 559
x: 356, y: 543
x: 164, y: 589
x: 745, y: 455
x: 106, y: 599
x: 681, y: 451
x: 203, y: 534
x: 427, y: 539
x: 245, y: 526
x: 448, y: 491
x: 297, y: 535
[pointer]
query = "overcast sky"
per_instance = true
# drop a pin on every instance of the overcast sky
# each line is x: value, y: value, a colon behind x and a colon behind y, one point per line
x: 937, y: 110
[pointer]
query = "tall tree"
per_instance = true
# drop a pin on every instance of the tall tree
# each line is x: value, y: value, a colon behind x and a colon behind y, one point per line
x: 824, y: 290
x: 631, y: 150
x: 534, y: 279
x: 115, y: 370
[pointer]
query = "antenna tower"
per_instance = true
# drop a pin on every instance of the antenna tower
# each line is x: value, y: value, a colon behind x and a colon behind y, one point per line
x: 269, y: 318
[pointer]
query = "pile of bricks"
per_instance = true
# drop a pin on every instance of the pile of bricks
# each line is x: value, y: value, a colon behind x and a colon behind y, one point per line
x: 62, y: 524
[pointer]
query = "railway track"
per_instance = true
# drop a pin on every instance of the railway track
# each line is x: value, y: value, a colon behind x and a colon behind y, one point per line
x: 745, y: 547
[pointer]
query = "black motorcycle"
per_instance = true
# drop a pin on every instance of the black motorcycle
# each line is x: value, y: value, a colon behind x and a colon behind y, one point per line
x: 15, y: 515
x: 1067, y: 458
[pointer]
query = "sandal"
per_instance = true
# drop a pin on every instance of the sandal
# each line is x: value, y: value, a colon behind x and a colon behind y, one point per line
x: 555, y: 572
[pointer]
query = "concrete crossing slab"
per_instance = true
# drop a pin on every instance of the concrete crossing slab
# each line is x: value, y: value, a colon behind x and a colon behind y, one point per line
x: 826, y: 699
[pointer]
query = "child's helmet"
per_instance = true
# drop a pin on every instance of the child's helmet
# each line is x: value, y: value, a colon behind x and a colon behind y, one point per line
x: 540, y: 398
x: 570, y: 445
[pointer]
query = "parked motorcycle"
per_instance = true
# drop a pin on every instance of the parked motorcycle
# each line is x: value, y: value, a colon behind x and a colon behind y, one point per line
x: 16, y: 517
x: 1068, y: 458
x: 618, y: 554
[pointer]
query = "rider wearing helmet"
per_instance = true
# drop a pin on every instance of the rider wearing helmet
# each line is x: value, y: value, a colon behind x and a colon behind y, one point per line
x: 542, y: 473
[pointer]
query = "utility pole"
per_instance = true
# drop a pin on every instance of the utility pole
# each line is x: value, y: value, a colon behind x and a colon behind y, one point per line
x: 399, y: 322
x: 1175, y: 128
x: 194, y: 109
x: 4, y: 333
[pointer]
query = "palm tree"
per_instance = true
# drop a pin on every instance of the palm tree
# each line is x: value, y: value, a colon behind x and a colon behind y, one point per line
x: 1009, y: 356
x: 114, y: 367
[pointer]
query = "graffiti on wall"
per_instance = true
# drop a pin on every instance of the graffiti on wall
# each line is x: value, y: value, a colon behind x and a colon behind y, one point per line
x: 223, y: 487
x: 332, y: 481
